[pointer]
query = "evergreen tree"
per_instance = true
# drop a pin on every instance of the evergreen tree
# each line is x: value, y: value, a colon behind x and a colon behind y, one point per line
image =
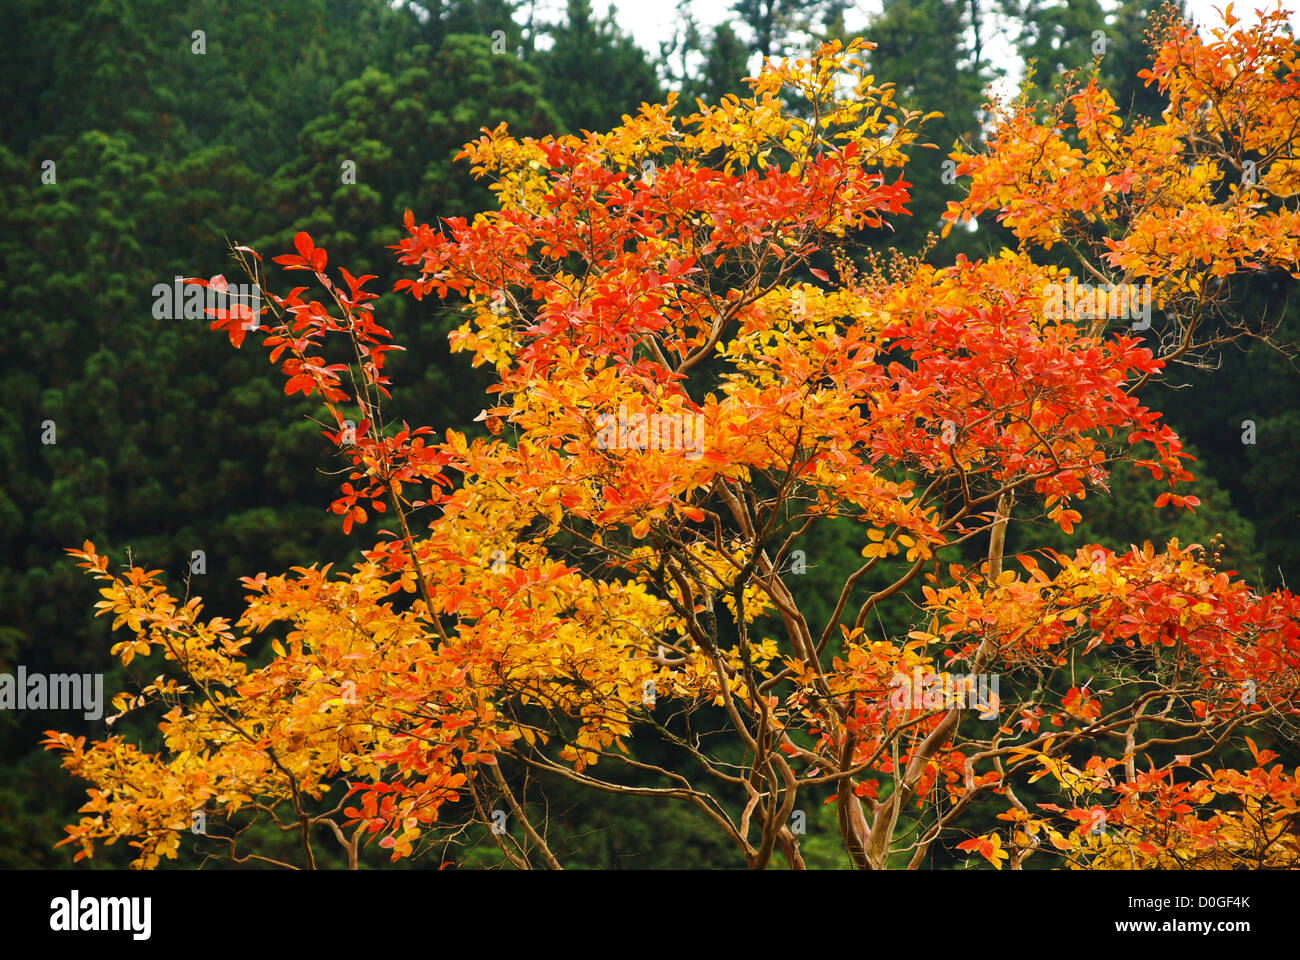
x: 593, y: 72
x: 387, y: 144
x: 1129, y: 51
x: 441, y: 19
x: 1057, y: 35
x: 725, y: 66
x: 923, y: 49
x: 775, y: 25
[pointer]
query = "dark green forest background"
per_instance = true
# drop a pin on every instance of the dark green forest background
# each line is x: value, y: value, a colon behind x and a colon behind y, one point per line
x: 169, y: 441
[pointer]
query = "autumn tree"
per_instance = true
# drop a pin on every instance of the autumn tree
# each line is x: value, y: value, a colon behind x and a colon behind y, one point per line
x: 680, y: 396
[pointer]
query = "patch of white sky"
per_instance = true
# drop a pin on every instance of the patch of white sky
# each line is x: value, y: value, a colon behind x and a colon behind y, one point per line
x: 652, y: 23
